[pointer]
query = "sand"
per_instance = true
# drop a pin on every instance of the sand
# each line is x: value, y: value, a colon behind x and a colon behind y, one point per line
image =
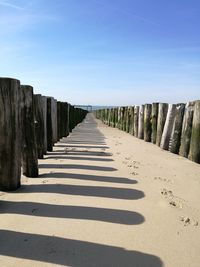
x: 104, y: 198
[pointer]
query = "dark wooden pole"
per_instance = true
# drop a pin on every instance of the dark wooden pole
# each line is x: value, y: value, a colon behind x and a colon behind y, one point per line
x: 10, y: 134
x: 136, y: 118
x: 154, y: 122
x: 175, y: 140
x: 194, y: 153
x: 131, y: 129
x: 39, y: 122
x: 49, y: 126
x: 58, y: 119
x: 54, y: 119
x: 29, y: 146
x: 44, y: 108
x: 147, y: 122
x: 119, y: 117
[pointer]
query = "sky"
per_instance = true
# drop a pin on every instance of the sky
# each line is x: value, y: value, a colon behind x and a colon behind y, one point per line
x: 103, y: 52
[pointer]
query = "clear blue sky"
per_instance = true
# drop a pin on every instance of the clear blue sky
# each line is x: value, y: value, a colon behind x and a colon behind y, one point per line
x: 106, y: 52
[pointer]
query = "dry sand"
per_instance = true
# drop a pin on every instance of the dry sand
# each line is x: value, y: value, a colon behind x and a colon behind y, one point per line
x: 104, y: 198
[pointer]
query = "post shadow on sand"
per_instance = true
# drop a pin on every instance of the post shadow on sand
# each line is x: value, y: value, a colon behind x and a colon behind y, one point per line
x: 83, y: 190
x: 88, y: 153
x: 87, y: 177
x: 71, y: 212
x: 86, y: 142
x: 76, y: 166
x: 86, y: 133
x: 75, y: 146
x: 79, y: 158
x: 69, y: 252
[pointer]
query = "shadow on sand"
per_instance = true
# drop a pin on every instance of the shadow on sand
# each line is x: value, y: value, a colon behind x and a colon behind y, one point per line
x: 83, y: 190
x: 69, y: 252
x: 77, y: 166
x: 89, y: 177
x: 71, y: 212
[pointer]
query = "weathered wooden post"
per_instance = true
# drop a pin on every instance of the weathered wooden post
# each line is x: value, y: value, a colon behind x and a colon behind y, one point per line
x: 119, y: 117
x: 187, y: 129
x: 131, y: 113
x: 71, y: 118
x: 58, y: 119
x: 154, y: 122
x: 49, y: 125
x: 10, y: 135
x: 39, y: 123
x: 127, y: 118
x: 54, y: 120
x: 147, y: 122
x: 29, y: 146
x: 136, y: 120
x: 194, y: 153
x: 162, y: 115
x: 164, y: 144
x: 116, y: 117
x: 113, y: 117
x: 175, y: 140
x: 141, y: 122
x: 62, y: 119
x: 67, y: 105
x: 109, y: 116
x: 44, y: 106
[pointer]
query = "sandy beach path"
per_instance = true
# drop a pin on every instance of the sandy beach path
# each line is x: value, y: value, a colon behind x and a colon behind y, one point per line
x: 104, y: 199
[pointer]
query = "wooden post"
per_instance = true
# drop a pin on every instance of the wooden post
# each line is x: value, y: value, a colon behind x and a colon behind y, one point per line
x: 125, y: 118
x: 141, y: 122
x: 39, y: 122
x: 131, y: 128
x: 147, y: 122
x: 154, y: 122
x: 194, y: 153
x: 29, y: 146
x: 67, y: 105
x: 44, y: 107
x: 10, y: 137
x: 109, y: 116
x: 175, y: 140
x: 116, y: 117
x: 49, y: 125
x: 54, y: 119
x: 136, y: 120
x: 187, y: 129
x: 162, y: 115
x: 164, y: 144
x: 58, y: 119
x: 119, y: 117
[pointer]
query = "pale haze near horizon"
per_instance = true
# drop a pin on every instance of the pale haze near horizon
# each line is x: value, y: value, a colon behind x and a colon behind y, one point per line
x: 102, y: 52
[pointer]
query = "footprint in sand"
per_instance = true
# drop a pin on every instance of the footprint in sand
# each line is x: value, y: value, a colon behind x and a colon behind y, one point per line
x: 173, y: 200
x: 134, y: 173
x: 187, y: 221
x: 163, y: 179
